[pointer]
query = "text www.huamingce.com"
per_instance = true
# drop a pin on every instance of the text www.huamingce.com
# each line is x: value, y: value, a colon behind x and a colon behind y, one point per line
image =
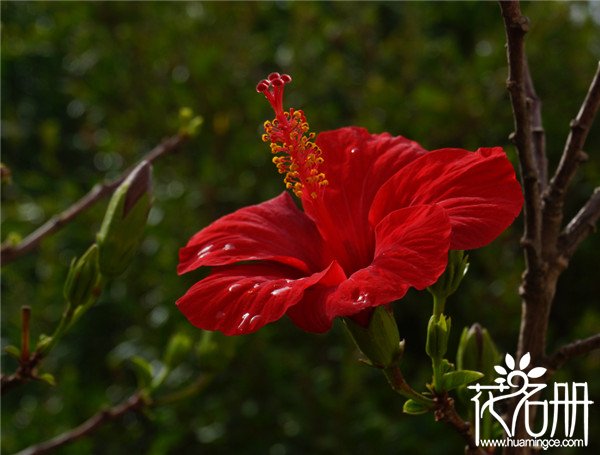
x: 543, y: 444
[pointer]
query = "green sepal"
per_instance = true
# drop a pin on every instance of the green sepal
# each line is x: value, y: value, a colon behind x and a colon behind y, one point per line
x: 380, y: 340
x: 82, y: 279
x: 447, y: 284
x: 415, y: 408
x: 455, y: 379
x: 123, y: 227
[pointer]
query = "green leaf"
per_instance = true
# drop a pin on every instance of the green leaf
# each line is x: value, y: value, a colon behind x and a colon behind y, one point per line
x: 13, y: 351
x: 455, y: 379
x: 143, y: 370
x: 414, y: 407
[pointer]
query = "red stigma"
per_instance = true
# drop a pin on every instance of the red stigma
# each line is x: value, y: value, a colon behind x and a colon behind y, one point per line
x: 272, y: 88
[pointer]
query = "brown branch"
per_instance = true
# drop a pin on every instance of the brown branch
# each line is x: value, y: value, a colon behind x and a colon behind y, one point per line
x: 9, y: 252
x: 446, y: 412
x: 516, y: 26
x: 134, y: 403
x: 582, y: 225
x: 573, y: 155
x: 571, y: 350
x: 25, y: 372
x: 537, y: 128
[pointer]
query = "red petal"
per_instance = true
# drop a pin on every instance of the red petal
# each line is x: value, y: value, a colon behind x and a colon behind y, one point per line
x: 310, y: 314
x: 411, y: 251
x: 275, y: 230
x: 240, y: 299
x: 478, y: 190
x: 356, y: 164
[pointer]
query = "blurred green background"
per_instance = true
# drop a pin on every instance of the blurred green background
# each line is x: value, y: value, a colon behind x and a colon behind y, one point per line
x: 87, y: 88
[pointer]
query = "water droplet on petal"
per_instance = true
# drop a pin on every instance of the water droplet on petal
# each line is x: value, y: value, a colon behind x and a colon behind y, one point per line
x: 354, y: 151
x: 205, y: 251
x: 255, y: 320
x: 280, y: 290
x: 363, y: 299
x: 229, y: 246
x: 233, y: 286
x: 220, y: 315
x: 244, y: 319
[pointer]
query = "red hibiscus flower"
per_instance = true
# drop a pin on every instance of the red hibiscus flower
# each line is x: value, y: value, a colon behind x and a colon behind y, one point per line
x: 380, y: 214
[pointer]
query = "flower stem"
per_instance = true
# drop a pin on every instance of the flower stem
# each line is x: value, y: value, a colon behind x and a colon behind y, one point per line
x: 399, y: 384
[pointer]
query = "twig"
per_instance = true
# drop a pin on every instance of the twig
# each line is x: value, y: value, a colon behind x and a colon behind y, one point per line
x: 582, y: 225
x: 134, y: 403
x: 9, y: 252
x: 26, y: 371
x: 446, y: 412
x: 516, y: 27
x: 573, y: 155
x: 25, y: 318
x: 571, y: 350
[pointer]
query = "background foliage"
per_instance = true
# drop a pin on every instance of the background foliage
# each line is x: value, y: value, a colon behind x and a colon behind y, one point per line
x: 88, y: 87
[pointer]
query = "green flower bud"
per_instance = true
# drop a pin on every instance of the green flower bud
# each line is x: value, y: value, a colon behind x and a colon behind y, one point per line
x: 83, y: 277
x: 179, y: 346
x: 447, y: 284
x: 380, y: 340
x: 438, y: 331
x: 124, y: 222
x: 477, y: 351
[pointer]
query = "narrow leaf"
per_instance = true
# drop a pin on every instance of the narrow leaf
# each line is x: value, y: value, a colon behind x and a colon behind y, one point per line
x: 456, y: 379
x: 414, y: 407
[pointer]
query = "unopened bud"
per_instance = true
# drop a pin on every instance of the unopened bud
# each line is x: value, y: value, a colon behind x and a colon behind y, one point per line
x: 438, y: 331
x: 124, y: 222
x: 83, y: 277
x: 477, y: 351
x: 380, y: 340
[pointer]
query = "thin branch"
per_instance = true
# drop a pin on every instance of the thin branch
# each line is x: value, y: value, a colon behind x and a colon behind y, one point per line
x: 582, y: 225
x: 573, y: 155
x: 446, y: 412
x: 134, y: 403
x: 26, y: 371
x: 516, y: 26
x: 9, y: 252
x: 571, y: 350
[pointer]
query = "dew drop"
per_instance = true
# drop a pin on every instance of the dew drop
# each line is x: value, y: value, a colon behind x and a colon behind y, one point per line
x: 244, y: 318
x: 229, y: 246
x: 233, y: 286
x: 255, y: 320
x: 205, y: 251
x: 220, y: 315
x: 354, y: 151
x: 363, y: 299
x: 280, y: 290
